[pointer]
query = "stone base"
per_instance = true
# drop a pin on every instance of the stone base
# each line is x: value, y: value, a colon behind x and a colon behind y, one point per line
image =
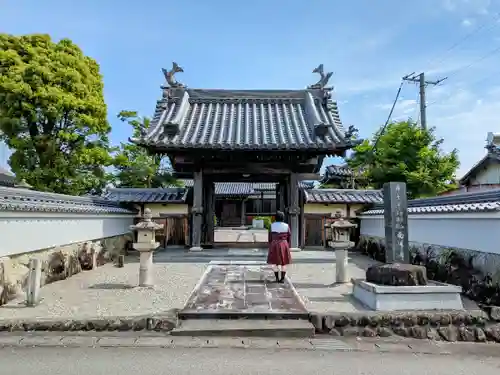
x: 196, y: 248
x: 295, y: 249
x: 434, y: 296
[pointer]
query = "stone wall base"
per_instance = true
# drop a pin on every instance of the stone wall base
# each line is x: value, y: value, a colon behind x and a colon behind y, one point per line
x: 165, y: 322
x: 459, y: 326
x: 58, y: 263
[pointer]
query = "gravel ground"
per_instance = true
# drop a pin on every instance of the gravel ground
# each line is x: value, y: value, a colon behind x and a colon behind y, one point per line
x: 109, y: 291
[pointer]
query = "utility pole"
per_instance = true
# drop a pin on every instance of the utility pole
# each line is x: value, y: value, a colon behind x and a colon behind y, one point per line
x: 420, y: 79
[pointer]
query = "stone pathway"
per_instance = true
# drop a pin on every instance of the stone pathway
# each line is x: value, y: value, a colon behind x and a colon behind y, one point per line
x: 242, y: 290
x: 226, y: 235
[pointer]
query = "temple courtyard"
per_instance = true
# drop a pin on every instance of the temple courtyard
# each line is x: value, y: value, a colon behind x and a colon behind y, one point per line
x: 111, y: 291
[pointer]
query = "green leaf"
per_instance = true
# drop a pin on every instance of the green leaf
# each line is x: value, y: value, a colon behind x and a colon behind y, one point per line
x: 53, y: 114
x: 407, y: 153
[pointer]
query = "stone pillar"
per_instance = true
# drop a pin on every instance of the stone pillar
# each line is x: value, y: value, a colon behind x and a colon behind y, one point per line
x: 197, y: 211
x: 34, y: 282
x: 210, y: 212
x: 294, y: 211
x: 243, y: 214
x: 145, y: 245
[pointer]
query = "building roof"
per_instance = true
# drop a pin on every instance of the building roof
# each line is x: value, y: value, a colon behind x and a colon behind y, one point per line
x: 493, y: 156
x: 479, y: 201
x: 243, y: 188
x: 333, y: 171
x: 216, y: 119
x: 343, y: 196
x: 18, y: 199
x: 7, y: 178
x: 144, y: 195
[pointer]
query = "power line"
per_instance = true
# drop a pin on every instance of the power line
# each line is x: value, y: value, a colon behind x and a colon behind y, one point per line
x: 482, y: 58
x: 374, y: 148
x: 491, y: 23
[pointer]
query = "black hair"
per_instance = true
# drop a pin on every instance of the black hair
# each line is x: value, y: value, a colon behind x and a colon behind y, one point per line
x: 279, y: 217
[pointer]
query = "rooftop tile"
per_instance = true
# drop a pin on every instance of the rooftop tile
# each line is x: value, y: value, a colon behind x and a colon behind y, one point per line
x: 343, y: 196
x: 246, y: 119
x: 17, y: 199
x: 479, y: 201
x: 143, y: 195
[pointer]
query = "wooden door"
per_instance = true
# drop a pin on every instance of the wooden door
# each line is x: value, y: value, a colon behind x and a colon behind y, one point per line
x: 231, y: 214
x: 175, y: 231
x: 314, y: 231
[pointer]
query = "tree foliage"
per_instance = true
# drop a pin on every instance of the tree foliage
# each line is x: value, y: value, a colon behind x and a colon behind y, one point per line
x: 406, y: 153
x: 53, y: 114
x: 135, y: 167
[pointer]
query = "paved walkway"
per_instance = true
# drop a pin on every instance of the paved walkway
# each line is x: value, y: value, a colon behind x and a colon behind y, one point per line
x: 110, y: 291
x: 242, y: 290
x: 237, y: 235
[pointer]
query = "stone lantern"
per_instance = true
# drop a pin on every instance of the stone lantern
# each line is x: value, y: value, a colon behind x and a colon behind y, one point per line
x: 341, y: 243
x: 145, y: 245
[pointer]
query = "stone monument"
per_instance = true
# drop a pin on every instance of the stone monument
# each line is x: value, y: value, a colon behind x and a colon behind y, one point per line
x: 341, y: 233
x: 145, y: 245
x: 399, y: 285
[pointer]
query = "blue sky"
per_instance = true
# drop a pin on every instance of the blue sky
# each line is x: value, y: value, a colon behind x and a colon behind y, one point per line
x: 369, y: 45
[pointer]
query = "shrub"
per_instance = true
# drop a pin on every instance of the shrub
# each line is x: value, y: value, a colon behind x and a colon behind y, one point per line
x: 267, y: 221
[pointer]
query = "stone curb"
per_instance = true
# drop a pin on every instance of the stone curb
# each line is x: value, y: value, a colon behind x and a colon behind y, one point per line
x: 159, y: 323
x: 448, y: 326
x: 425, y: 347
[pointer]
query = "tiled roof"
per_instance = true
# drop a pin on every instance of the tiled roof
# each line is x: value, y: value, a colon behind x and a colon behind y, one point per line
x: 338, y: 171
x: 7, y: 178
x: 479, y: 201
x: 143, y: 195
x: 233, y: 188
x: 333, y: 172
x: 246, y: 120
x: 248, y: 187
x: 343, y: 196
x: 16, y: 199
x: 492, y: 156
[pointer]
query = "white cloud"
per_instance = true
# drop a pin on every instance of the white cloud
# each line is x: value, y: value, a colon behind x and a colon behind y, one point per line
x: 468, y: 6
x: 467, y: 22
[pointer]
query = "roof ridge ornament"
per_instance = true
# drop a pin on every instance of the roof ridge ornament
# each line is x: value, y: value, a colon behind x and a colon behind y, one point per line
x: 170, y: 75
x: 323, y: 81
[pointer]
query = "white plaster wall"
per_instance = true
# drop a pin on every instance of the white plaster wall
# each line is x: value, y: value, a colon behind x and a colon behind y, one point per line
x: 489, y: 175
x: 473, y: 231
x: 22, y: 232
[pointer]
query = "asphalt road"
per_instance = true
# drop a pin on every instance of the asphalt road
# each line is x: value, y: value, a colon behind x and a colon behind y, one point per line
x: 182, y: 361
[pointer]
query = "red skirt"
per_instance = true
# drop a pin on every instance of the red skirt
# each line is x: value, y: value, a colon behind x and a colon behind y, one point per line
x: 279, y: 253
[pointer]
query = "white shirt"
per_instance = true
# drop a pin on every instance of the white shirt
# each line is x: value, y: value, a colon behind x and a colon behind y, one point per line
x: 279, y: 227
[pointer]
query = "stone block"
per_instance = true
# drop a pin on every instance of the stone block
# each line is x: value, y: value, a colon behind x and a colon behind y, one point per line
x: 435, y: 296
x: 397, y: 274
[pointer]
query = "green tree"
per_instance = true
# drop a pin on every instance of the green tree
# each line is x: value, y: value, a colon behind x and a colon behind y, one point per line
x: 136, y: 168
x: 53, y: 115
x: 406, y: 153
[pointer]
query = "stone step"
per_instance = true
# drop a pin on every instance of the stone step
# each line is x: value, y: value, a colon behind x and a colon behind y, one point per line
x: 244, y: 328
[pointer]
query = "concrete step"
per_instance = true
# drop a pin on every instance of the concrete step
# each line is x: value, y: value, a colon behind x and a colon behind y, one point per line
x: 245, y: 328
